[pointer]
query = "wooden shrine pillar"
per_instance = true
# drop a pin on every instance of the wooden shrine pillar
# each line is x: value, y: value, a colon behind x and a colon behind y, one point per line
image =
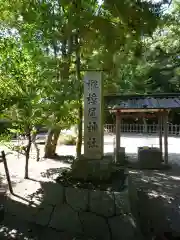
x: 160, y: 131
x: 166, y: 138
x: 118, y: 135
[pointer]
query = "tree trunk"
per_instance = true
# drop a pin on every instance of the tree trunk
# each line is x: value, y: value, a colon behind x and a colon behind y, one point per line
x: 27, y: 151
x: 55, y: 141
x: 47, y: 148
x: 51, y: 143
x: 80, y: 109
x: 36, y: 146
x: 37, y: 152
x: 53, y: 133
x: 48, y: 145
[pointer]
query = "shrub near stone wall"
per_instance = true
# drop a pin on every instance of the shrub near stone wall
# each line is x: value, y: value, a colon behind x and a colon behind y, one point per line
x: 94, y: 213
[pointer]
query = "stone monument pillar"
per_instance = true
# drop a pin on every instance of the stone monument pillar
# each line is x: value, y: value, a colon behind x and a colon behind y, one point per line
x: 93, y: 115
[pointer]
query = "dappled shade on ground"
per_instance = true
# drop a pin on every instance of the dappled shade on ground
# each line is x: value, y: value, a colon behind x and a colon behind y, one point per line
x: 28, y: 213
x: 158, y: 194
x: 164, y: 183
x: 64, y: 158
x: 14, y: 227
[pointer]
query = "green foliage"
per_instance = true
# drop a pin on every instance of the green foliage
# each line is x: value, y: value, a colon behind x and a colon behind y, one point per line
x: 5, y: 138
x: 39, y: 81
x: 163, y: 55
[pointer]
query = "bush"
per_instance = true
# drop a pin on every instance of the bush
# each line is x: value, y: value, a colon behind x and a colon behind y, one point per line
x: 67, y: 140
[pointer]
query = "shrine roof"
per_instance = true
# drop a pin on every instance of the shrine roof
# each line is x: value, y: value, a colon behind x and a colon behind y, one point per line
x: 142, y: 103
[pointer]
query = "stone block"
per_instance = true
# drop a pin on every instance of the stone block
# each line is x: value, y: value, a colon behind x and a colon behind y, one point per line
x: 94, y: 226
x: 77, y: 198
x: 102, y: 203
x: 64, y: 218
x: 122, y: 203
x: 149, y: 157
x: 53, y: 193
x: 43, y: 215
x: 121, y: 155
x: 108, y: 156
x: 92, y: 169
x: 122, y: 227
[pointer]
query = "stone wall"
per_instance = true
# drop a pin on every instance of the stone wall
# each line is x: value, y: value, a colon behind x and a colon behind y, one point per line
x: 94, y: 213
x: 100, y: 214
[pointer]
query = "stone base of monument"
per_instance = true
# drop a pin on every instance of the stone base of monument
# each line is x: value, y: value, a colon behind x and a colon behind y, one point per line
x: 149, y: 157
x: 95, y: 201
x: 121, y: 156
x: 104, y: 170
x: 95, y: 213
x: 84, y: 212
x: 92, y: 169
